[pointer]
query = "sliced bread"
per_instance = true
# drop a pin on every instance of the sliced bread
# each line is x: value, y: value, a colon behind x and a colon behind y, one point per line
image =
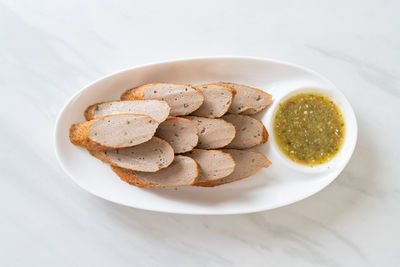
x: 249, y: 131
x: 151, y: 156
x: 214, y: 164
x: 113, y: 131
x: 182, y: 171
x: 213, y: 133
x: 248, y: 100
x: 217, y: 100
x: 180, y: 133
x: 158, y: 110
x: 248, y: 163
x: 183, y: 99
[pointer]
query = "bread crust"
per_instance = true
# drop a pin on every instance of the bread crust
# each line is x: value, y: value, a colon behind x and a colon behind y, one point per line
x: 265, y: 135
x: 248, y: 111
x: 136, y: 93
x: 128, y: 176
x: 101, y: 155
x: 79, y: 136
x: 89, y: 111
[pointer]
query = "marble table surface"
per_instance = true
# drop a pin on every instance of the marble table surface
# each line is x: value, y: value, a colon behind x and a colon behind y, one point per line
x: 50, y: 49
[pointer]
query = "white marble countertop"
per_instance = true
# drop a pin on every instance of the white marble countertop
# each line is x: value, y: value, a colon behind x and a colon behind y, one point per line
x: 50, y: 49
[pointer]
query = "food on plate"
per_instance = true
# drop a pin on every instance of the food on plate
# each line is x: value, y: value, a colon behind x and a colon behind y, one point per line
x: 183, y: 99
x: 214, y: 164
x: 113, y: 131
x: 180, y: 133
x: 151, y: 156
x: 213, y: 133
x: 182, y: 171
x: 248, y: 163
x: 156, y: 109
x: 248, y: 100
x: 249, y: 131
x: 217, y: 100
x: 141, y: 134
x: 309, y: 128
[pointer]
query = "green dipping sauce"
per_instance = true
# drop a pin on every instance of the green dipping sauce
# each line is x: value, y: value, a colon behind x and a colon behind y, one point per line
x: 309, y: 128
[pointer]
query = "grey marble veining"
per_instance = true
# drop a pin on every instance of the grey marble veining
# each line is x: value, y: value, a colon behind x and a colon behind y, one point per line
x: 50, y: 49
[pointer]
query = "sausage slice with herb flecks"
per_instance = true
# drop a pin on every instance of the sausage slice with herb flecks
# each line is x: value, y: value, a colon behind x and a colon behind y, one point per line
x: 248, y: 163
x: 213, y: 133
x: 157, y: 109
x: 182, y: 98
x: 217, y: 100
x: 248, y: 100
x: 182, y: 171
x: 180, y: 133
x: 214, y: 164
x: 151, y: 156
x: 249, y: 131
x: 112, y: 132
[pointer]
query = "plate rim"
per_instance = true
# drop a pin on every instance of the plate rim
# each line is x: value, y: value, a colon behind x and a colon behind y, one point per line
x: 56, y: 136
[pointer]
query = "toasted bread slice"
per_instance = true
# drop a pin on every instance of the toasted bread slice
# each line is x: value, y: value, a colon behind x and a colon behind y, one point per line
x: 217, y: 100
x: 214, y: 164
x: 151, y: 156
x: 248, y: 163
x: 112, y: 132
x: 183, y: 171
x: 213, y: 133
x: 249, y: 131
x: 157, y: 109
x: 180, y: 133
x: 182, y: 98
x: 248, y: 100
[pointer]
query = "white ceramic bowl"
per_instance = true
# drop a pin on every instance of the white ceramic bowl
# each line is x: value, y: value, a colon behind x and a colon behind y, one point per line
x: 284, y: 182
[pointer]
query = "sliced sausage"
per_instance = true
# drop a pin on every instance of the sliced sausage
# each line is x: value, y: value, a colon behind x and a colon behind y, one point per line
x: 151, y: 156
x: 180, y: 133
x: 182, y: 171
x: 248, y: 163
x: 214, y: 164
x: 217, y: 100
x: 213, y: 133
x: 158, y: 110
x: 183, y: 99
x: 248, y: 100
x: 113, y: 131
x: 249, y: 131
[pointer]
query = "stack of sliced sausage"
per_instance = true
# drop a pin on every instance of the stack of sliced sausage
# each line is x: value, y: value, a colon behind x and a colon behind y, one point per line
x: 164, y: 134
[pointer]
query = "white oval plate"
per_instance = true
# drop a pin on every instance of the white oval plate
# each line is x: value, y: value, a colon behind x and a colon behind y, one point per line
x: 281, y: 184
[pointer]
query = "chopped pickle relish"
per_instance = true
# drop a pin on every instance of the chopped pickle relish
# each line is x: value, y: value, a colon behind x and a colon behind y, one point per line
x: 309, y: 128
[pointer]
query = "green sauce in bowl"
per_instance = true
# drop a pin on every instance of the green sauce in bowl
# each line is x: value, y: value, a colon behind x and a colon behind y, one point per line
x: 309, y: 128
